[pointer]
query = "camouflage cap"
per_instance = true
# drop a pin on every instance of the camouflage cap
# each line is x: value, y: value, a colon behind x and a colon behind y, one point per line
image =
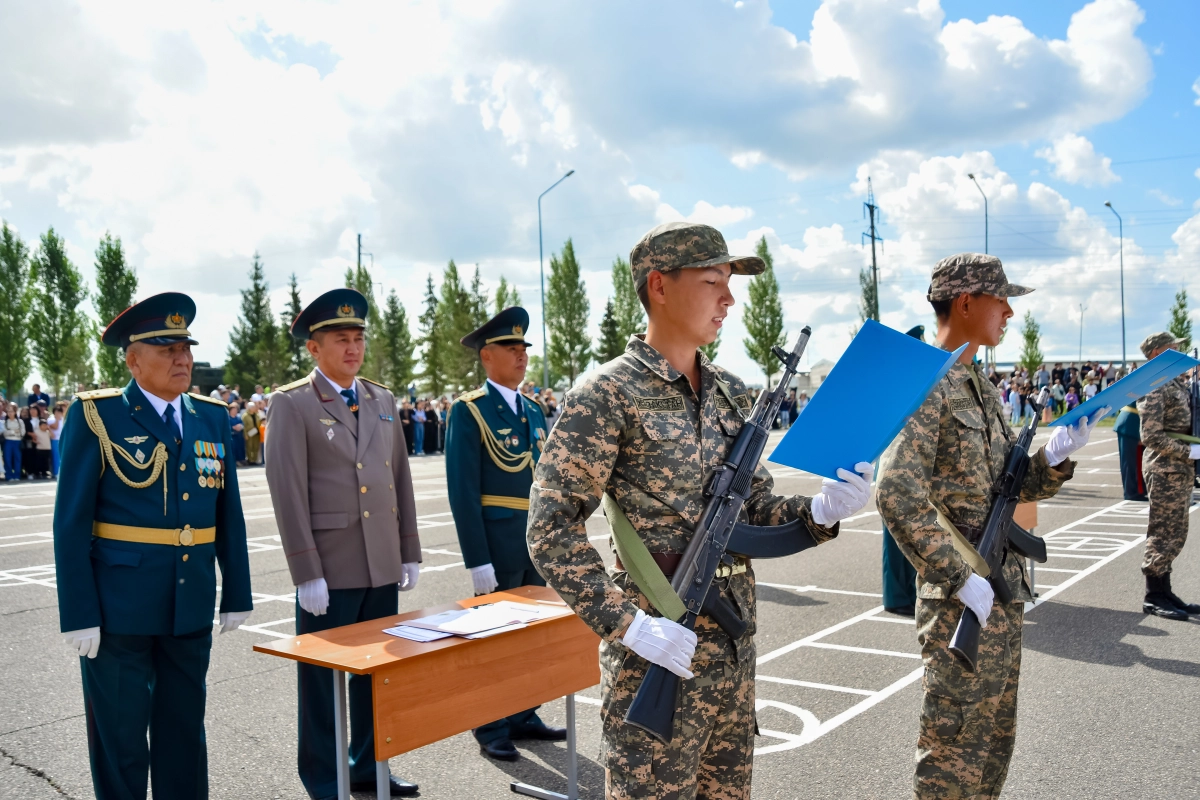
x: 685, y: 245
x: 971, y: 273
x: 1157, y: 341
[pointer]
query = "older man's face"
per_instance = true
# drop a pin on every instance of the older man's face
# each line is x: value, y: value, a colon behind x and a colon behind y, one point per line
x: 163, y: 370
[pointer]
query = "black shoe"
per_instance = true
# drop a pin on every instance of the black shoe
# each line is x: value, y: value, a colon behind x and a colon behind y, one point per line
x: 1189, y: 608
x: 501, y: 750
x: 1158, y: 600
x: 541, y: 732
x: 901, y: 611
x: 398, y: 787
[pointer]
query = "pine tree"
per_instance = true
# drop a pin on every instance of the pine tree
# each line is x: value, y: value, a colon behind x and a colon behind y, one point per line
x: 478, y: 304
x: 456, y: 316
x: 1181, y: 324
x: 250, y: 331
x: 868, y: 304
x: 763, y: 316
x: 116, y: 284
x: 506, y: 296
x: 59, y: 329
x: 1031, y: 341
x: 627, y: 308
x: 15, y: 362
x: 297, y: 361
x: 359, y: 279
x: 397, y: 345
x: 433, y: 371
x: 710, y: 349
x: 566, y: 312
x: 610, y: 344
x: 272, y: 355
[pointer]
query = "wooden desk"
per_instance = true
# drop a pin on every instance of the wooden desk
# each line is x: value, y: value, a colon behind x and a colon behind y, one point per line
x: 425, y: 692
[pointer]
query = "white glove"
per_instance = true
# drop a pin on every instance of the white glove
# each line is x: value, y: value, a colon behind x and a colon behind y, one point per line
x: 85, y: 641
x: 409, y: 581
x: 661, y: 641
x: 314, y: 596
x: 1195, y: 454
x: 839, y: 499
x: 1069, y: 438
x: 232, y: 620
x: 484, y: 579
x: 977, y: 595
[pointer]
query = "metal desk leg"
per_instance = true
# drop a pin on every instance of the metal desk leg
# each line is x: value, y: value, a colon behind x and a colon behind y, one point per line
x: 339, y: 734
x: 383, y: 789
x: 1033, y: 579
x: 572, y: 766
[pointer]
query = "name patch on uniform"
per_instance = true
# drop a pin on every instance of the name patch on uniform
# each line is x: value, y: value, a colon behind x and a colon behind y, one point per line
x: 668, y: 404
x: 961, y: 404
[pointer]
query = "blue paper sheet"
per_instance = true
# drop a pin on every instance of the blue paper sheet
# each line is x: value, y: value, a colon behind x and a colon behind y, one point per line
x: 851, y: 418
x: 1134, y: 386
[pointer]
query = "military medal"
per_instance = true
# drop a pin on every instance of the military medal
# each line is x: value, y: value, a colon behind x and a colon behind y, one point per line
x: 212, y: 482
x: 202, y: 481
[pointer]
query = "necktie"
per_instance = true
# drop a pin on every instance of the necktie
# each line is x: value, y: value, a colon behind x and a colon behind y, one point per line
x: 169, y: 418
x: 351, y: 400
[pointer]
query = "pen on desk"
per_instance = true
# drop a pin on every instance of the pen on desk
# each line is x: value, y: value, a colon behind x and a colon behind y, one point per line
x: 550, y: 602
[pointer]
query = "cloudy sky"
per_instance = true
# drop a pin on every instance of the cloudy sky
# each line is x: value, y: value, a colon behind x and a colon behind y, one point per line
x: 201, y: 133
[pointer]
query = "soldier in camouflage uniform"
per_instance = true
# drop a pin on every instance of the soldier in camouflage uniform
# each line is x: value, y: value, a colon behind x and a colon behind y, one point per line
x: 1169, y: 467
x: 647, y: 428
x: 944, y: 463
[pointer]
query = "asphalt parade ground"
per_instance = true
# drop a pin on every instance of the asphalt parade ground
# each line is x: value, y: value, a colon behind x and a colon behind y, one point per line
x: 1108, y: 704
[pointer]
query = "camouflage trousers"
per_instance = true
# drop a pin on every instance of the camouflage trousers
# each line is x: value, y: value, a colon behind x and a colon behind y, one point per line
x: 711, y: 754
x: 1170, y: 496
x: 968, y: 720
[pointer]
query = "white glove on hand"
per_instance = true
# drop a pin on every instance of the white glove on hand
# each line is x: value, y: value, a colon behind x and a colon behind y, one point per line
x: 839, y: 499
x: 1195, y: 454
x: 661, y: 641
x: 85, y: 641
x: 232, y: 620
x: 314, y: 596
x: 1069, y: 438
x: 977, y: 595
x: 411, y: 572
x: 484, y: 579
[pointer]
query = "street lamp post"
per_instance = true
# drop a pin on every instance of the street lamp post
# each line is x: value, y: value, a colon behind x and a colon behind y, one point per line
x: 1121, y: 234
x: 1082, y: 308
x: 542, y: 275
x: 971, y: 175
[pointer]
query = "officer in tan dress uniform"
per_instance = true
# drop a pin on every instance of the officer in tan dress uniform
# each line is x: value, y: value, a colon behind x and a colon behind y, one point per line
x: 342, y: 491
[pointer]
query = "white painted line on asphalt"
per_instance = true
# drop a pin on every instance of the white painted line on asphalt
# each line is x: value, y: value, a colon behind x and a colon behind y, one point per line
x: 896, y: 620
x: 264, y: 629
x: 810, y: 685
x: 867, y: 650
x: 444, y: 567
x: 591, y: 701
x: 818, y: 589
x: 1070, y: 555
x: 42, y: 575
x: 862, y: 530
x: 787, y: 648
x: 1113, y: 454
x: 1052, y: 569
x: 861, y: 516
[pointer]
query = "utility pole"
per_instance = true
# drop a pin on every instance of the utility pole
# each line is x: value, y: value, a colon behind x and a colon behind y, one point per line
x: 1082, y: 308
x: 870, y: 209
x: 360, y: 251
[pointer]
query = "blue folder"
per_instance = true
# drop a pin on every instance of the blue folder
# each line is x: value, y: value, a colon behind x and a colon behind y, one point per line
x: 1134, y: 386
x: 851, y: 418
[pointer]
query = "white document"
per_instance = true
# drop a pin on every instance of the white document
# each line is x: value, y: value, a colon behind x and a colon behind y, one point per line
x: 416, y: 634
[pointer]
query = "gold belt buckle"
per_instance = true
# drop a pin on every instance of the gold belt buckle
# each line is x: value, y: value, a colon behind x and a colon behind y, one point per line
x: 185, y: 537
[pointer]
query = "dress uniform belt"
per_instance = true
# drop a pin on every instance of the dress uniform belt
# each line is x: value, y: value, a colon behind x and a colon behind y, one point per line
x: 500, y: 501
x: 1131, y: 409
x: 669, y: 562
x: 186, y: 536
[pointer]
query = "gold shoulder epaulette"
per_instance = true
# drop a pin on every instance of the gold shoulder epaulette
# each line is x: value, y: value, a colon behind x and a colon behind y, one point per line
x: 293, y: 385
x: 473, y: 395
x: 374, y: 383
x: 207, y: 399
x: 100, y: 394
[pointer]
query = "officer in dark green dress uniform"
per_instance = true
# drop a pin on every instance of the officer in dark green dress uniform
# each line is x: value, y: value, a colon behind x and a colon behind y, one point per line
x: 1128, y: 428
x: 899, y: 576
x: 493, y: 440
x: 147, y: 507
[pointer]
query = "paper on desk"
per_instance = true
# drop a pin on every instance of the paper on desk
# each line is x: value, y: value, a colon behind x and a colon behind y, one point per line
x: 846, y: 421
x: 1134, y: 386
x: 416, y: 634
x: 464, y: 622
x: 532, y: 612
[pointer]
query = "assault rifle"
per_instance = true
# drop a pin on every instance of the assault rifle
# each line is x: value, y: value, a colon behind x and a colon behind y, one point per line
x: 999, y: 534
x: 716, y: 538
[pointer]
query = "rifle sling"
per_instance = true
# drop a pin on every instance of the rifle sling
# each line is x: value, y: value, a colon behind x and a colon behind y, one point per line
x: 640, y: 564
x: 770, y: 541
x: 963, y: 545
x: 1184, y: 437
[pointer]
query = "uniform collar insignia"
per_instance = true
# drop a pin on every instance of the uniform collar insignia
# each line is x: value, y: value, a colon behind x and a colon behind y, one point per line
x: 136, y: 439
x: 327, y: 421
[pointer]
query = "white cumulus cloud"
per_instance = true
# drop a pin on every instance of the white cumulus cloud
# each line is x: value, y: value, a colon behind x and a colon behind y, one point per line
x: 1075, y: 160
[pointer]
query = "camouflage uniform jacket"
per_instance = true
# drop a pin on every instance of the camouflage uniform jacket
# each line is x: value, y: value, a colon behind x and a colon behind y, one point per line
x: 1167, y: 408
x: 949, y: 455
x: 635, y: 429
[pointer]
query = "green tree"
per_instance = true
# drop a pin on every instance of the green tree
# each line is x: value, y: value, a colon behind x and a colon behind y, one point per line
x: 246, y: 341
x: 59, y: 329
x: 534, y: 373
x: 431, y: 340
x: 506, y: 296
x: 627, y: 308
x: 868, y: 304
x: 297, y: 361
x: 1031, y: 344
x: 116, y: 284
x: 763, y: 316
x: 710, y: 349
x: 15, y: 363
x: 1181, y: 324
x: 397, y: 346
x: 456, y: 315
x: 570, y: 349
x: 359, y: 278
x: 478, y: 306
x: 610, y: 344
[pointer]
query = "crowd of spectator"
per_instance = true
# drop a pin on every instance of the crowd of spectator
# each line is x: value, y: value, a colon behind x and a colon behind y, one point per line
x: 247, y: 421
x: 30, y: 434
x: 1066, y: 387
x: 424, y: 420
